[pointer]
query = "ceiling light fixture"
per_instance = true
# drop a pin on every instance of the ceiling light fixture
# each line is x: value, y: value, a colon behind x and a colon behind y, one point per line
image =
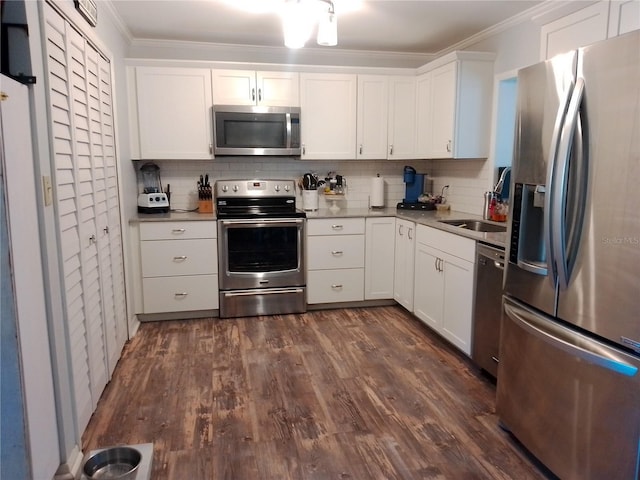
x: 298, y: 18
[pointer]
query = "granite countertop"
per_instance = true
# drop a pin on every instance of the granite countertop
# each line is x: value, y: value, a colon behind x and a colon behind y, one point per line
x: 429, y: 218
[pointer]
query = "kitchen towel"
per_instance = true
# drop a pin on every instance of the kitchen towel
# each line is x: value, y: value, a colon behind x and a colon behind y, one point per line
x: 376, y: 199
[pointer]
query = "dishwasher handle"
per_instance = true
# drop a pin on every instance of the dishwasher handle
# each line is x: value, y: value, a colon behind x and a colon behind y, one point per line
x: 490, y: 255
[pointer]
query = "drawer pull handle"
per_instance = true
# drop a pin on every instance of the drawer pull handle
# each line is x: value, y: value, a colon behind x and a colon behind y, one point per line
x: 178, y: 230
x: 181, y: 294
x: 336, y: 252
x: 180, y: 258
x: 337, y: 227
x: 336, y: 287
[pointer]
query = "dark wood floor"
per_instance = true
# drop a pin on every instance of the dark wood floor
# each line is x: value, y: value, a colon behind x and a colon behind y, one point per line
x: 366, y: 393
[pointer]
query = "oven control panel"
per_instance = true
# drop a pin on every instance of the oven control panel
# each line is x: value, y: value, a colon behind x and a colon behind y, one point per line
x: 255, y: 188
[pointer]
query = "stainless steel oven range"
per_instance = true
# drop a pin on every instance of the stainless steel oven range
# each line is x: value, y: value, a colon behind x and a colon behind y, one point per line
x: 261, y: 242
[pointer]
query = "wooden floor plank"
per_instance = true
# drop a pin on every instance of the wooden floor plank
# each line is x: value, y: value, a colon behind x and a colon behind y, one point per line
x: 365, y: 393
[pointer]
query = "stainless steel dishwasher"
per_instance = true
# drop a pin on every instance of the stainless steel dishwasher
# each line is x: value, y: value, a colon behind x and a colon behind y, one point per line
x: 487, y: 308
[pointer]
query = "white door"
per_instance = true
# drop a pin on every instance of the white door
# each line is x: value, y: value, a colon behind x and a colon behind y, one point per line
x: 457, y: 303
x: 423, y: 115
x: 328, y: 116
x: 428, y: 286
x: 402, y: 118
x: 234, y: 87
x: 278, y: 89
x: 404, y: 263
x: 443, y: 105
x: 379, y: 260
x: 373, y: 112
x: 174, y: 113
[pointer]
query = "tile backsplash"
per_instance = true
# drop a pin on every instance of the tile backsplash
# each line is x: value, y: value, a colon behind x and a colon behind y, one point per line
x: 182, y: 175
x: 467, y: 179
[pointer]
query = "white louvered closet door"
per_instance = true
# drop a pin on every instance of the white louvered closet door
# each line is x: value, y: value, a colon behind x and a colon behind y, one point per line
x: 86, y: 184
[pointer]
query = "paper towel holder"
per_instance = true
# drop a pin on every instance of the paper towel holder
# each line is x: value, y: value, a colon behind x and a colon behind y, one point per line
x: 376, y: 197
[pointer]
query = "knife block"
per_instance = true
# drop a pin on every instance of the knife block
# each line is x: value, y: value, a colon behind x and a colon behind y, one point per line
x: 205, y: 206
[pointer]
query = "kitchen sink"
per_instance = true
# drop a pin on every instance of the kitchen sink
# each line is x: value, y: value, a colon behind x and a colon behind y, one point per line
x: 475, y: 225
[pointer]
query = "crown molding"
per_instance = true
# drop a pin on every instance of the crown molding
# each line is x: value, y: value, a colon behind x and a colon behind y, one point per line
x: 165, y: 49
x: 545, y: 9
x: 117, y: 20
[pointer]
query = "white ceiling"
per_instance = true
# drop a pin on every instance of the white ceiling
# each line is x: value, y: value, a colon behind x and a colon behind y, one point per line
x: 417, y: 26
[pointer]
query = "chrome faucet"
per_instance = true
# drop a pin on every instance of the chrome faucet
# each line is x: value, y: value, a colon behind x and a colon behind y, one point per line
x: 500, y: 185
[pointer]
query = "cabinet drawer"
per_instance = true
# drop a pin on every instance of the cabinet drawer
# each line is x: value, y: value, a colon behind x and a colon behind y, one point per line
x: 178, y: 294
x: 450, y: 243
x: 179, y: 257
x: 331, y: 252
x: 332, y: 286
x: 177, y: 230
x: 335, y: 226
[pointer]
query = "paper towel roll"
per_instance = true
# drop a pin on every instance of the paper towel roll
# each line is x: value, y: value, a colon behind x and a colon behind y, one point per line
x: 377, y: 192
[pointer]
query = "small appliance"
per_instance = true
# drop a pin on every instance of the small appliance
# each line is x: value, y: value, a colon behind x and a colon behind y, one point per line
x: 152, y: 199
x: 414, y: 188
x: 256, y: 130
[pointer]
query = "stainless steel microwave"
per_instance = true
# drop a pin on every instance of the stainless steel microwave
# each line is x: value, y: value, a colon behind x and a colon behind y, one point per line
x: 256, y: 130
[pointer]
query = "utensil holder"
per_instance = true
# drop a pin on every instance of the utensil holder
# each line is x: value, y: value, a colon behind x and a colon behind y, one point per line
x: 310, y: 200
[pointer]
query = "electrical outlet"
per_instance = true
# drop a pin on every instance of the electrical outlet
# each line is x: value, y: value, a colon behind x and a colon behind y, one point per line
x: 47, y: 190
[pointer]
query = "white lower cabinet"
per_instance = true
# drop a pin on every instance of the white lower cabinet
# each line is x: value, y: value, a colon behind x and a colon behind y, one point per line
x: 443, y: 293
x: 379, y: 258
x: 179, y: 266
x: 335, y: 260
x: 405, y: 235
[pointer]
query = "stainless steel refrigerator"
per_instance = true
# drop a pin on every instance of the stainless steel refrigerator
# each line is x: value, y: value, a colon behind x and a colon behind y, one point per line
x: 568, y: 380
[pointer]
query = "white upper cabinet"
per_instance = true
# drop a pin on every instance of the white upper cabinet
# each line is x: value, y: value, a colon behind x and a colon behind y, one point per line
x: 573, y: 27
x: 373, y: 112
x: 443, y: 105
x: 454, y: 106
x: 423, y: 115
x: 174, y: 119
x: 402, y: 118
x: 624, y: 17
x: 248, y: 87
x: 328, y: 116
x: 583, y: 27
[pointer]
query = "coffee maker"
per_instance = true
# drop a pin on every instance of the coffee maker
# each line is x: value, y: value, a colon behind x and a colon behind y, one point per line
x: 152, y: 199
x: 414, y: 188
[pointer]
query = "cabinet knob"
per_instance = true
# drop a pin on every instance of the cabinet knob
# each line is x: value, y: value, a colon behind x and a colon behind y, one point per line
x: 360, y: 149
x: 409, y: 233
x: 336, y: 252
x: 449, y: 146
x: 253, y: 94
x: 304, y: 149
x: 336, y: 286
x: 259, y: 94
x: 390, y: 149
x: 400, y: 230
x: 337, y: 227
x: 180, y: 258
x: 92, y: 239
x: 181, y: 294
x: 178, y: 230
x: 106, y: 230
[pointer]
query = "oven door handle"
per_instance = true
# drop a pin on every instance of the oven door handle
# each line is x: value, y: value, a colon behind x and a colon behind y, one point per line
x: 263, y: 222
x: 272, y: 291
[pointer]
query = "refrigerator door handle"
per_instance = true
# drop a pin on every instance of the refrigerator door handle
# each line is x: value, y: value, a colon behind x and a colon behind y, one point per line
x: 552, y: 173
x: 559, y: 187
x: 590, y: 352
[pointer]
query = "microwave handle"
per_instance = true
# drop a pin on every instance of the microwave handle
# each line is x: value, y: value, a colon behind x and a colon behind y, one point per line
x: 288, y: 117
